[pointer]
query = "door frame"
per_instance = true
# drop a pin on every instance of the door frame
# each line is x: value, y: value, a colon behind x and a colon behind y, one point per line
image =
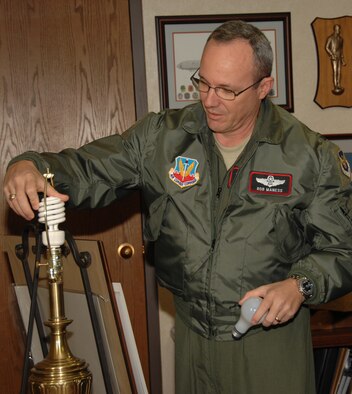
x: 141, y: 104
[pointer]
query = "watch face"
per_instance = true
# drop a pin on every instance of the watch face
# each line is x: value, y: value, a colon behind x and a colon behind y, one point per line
x: 307, y: 287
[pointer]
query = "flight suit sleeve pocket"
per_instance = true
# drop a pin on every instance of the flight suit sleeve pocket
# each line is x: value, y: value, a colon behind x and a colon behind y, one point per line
x: 289, y: 234
x: 344, y: 215
x: 154, y: 218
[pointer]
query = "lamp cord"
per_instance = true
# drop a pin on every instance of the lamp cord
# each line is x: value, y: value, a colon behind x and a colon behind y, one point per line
x: 34, y: 314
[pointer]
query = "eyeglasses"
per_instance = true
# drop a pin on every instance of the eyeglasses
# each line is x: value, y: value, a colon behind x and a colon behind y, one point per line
x: 223, y: 93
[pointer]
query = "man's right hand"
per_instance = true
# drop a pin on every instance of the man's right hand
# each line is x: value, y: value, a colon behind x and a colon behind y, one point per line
x: 22, y: 184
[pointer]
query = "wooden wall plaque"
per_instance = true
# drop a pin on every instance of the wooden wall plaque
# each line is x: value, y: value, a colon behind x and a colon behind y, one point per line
x: 333, y: 39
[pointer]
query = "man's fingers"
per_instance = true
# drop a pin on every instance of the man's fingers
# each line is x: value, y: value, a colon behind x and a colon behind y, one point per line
x: 22, y: 184
x: 51, y: 192
x: 21, y: 206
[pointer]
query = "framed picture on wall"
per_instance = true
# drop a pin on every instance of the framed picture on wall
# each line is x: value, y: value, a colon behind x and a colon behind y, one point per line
x: 180, y: 42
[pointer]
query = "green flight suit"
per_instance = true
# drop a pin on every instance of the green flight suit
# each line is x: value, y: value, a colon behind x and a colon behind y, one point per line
x: 284, y: 208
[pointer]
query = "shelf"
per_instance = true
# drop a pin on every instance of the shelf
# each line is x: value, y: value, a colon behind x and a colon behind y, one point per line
x: 339, y: 337
x: 331, y: 323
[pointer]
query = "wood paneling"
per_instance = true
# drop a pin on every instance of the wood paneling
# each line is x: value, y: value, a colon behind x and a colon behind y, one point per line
x: 66, y: 79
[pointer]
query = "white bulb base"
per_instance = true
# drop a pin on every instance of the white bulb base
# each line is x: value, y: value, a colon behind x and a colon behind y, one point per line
x: 56, y: 238
x: 248, y: 309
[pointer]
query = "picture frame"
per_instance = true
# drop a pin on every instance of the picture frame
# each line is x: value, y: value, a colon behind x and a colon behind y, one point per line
x: 180, y: 41
x: 344, y: 141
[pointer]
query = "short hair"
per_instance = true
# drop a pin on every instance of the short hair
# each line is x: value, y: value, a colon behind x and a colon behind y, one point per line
x: 262, y: 51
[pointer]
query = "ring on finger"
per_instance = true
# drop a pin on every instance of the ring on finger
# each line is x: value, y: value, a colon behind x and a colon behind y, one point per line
x: 277, y: 319
x: 12, y: 196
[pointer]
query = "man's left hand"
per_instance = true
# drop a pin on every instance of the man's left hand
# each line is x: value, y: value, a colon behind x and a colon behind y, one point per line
x: 281, y: 301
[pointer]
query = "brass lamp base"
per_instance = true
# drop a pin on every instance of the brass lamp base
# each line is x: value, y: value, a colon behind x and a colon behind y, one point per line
x: 60, y: 372
x: 76, y: 384
x: 71, y: 378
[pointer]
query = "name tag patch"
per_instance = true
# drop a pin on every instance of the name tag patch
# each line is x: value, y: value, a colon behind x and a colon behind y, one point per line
x: 269, y: 183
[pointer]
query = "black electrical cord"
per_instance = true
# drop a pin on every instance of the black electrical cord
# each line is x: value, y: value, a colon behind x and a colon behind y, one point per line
x: 22, y: 252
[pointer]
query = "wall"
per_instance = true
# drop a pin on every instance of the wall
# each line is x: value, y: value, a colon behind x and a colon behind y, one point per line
x: 330, y: 120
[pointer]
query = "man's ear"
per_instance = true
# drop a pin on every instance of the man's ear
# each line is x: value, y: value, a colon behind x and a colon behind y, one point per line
x: 265, y: 87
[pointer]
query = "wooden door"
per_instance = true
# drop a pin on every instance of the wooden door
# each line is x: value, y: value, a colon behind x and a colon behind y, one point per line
x: 66, y: 79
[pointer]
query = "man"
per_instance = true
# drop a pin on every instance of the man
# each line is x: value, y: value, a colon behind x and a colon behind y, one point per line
x: 334, y: 48
x: 243, y: 200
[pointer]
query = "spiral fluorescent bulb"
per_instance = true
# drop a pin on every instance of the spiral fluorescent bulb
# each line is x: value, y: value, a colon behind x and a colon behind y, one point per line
x: 52, y: 212
x: 244, y: 323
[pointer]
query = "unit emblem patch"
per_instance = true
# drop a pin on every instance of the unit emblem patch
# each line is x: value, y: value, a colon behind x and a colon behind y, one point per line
x: 184, y: 173
x: 269, y: 183
x: 345, y: 165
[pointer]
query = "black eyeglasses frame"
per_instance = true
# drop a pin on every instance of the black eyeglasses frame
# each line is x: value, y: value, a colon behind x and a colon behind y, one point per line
x: 195, y: 82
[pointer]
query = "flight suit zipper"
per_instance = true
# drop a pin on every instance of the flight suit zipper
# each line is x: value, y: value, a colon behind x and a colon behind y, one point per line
x: 221, y: 195
x: 218, y: 213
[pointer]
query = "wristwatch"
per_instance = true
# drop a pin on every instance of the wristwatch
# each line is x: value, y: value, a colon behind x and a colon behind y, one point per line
x: 305, y: 286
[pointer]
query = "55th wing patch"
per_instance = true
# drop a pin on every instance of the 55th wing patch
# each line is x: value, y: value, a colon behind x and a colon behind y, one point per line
x: 345, y: 165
